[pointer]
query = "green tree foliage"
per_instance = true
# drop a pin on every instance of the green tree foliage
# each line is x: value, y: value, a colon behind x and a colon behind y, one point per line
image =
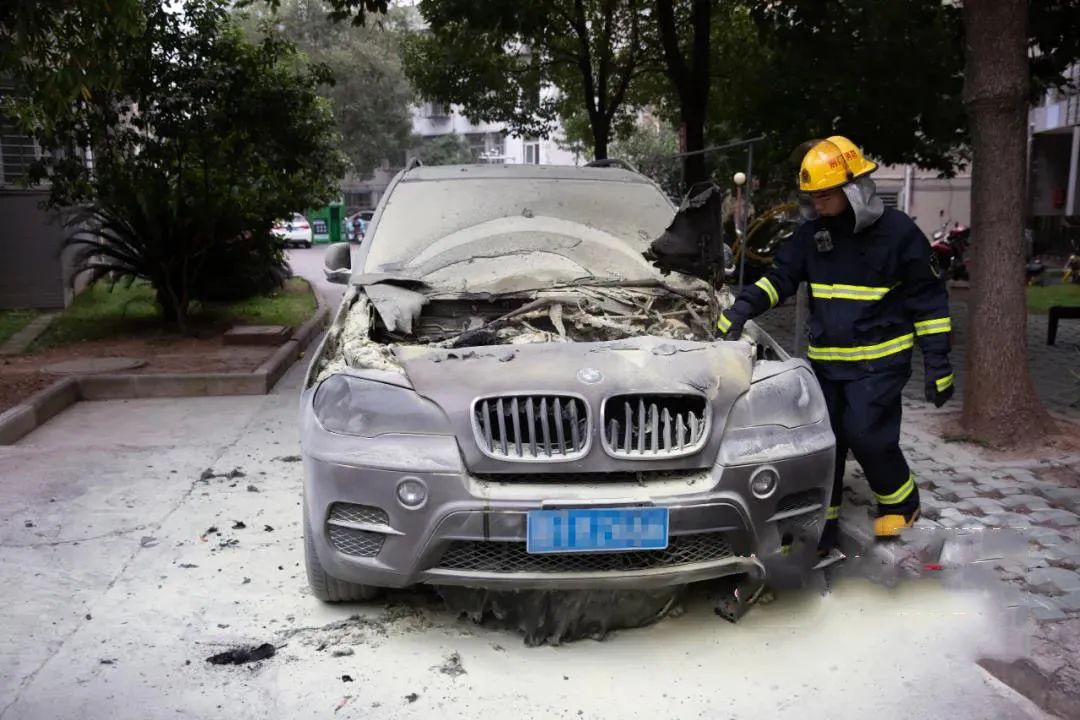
x: 202, y: 140
x: 64, y: 49
x: 495, y: 59
x: 652, y: 148
x: 369, y: 93
x: 444, y: 150
x: 889, y: 75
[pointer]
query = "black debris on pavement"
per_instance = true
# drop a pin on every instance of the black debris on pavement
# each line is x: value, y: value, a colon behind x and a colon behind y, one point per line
x: 29, y: 523
x: 89, y: 616
x: 252, y: 488
x: 243, y: 655
x: 147, y: 541
x: 228, y: 543
x: 188, y: 566
x: 223, y: 626
x: 238, y: 525
x: 246, y: 581
x: 280, y: 567
x: 289, y: 459
x: 268, y: 528
x: 236, y: 473
x: 107, y: 661
x: 212, y: 530
x: 346, y: 678
x: 452, y: 666
x: 412, y: 697
x: 207, y: 474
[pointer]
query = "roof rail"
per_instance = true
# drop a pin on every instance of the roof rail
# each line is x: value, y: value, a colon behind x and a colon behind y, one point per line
x: 612, y: 162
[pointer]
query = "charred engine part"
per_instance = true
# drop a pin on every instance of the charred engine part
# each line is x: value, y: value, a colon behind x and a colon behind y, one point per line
x: 367, y: 329
x: 737, y: 594
x: 693, y: 244
x: 547, y: 617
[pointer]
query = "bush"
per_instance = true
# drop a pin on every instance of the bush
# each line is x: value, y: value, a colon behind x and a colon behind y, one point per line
x: 201, y: 143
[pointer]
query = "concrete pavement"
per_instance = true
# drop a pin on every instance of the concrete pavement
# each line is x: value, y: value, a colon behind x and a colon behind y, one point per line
x: 116, y: 590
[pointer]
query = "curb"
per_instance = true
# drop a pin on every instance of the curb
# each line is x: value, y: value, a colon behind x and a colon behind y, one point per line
x: 36, y: 410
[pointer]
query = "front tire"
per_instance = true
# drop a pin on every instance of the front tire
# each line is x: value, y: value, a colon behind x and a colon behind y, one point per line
x: 324, y: 587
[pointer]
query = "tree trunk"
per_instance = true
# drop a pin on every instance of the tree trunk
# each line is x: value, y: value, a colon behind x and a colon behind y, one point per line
x: 690, y: 78
x: 1000, y: 404
x: 694, y: 168
x: 601, y: 130
x: 173, y: 309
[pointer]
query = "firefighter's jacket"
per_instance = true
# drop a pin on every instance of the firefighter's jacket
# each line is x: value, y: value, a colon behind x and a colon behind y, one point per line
x: 873, y: 294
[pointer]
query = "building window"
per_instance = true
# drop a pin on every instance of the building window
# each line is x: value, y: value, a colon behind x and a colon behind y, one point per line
x: 436, y: 110
x: 889, y: 199
x: 17, y: 152
x: 532, y: 152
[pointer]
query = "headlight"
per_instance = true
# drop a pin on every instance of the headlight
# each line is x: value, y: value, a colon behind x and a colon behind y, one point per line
x: 790, y: 399
x: 781, y: 416
x: 353, y: 406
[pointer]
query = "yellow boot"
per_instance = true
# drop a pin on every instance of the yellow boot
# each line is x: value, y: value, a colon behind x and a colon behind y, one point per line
x: 889, y: 526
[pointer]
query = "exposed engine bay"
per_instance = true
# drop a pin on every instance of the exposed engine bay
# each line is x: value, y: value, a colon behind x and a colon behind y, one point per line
x: 376, y: 318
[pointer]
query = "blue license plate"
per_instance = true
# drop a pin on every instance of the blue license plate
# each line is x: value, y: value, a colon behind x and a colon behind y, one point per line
x: 597, y: 530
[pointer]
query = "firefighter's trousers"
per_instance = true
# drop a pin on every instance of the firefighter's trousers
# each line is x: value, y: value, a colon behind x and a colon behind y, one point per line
x: 865, y: 415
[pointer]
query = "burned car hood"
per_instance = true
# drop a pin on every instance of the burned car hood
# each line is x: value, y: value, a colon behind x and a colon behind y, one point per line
x: 510, y: 254
x: 594, y: 372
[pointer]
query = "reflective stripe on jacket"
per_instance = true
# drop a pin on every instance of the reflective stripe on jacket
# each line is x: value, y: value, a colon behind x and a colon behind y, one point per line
x: 873, y: 295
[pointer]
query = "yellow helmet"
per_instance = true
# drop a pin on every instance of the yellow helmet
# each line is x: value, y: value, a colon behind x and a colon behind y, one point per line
x: 831, y: 163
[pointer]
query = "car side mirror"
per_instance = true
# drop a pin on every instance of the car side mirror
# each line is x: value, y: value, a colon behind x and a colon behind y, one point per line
x: 337, y: 263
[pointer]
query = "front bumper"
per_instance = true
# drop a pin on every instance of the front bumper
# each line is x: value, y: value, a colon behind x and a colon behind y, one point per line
x: 471, y: 531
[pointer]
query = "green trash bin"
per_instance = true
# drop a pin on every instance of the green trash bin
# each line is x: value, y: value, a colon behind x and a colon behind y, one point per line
x: 326, y: 223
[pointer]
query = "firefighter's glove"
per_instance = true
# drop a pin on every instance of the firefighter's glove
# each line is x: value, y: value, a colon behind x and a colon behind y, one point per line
x: 940, y: 383
x: 730, y: 325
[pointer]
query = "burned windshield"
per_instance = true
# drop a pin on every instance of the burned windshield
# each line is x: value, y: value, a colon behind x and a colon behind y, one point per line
x: 501, y: 235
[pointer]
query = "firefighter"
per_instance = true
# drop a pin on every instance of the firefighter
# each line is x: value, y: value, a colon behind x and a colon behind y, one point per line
x: 875, y: 291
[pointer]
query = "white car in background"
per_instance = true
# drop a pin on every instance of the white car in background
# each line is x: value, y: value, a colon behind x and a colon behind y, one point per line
x: 296, y: 231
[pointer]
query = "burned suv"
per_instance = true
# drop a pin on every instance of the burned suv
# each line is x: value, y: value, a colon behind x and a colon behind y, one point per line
x: 511, y: 396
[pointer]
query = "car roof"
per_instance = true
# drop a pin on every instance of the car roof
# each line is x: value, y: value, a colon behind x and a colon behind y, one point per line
x: 520, y: 172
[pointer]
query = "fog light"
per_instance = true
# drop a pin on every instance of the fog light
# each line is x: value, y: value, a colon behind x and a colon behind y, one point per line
x: 763, y: 482
x: 411, y: 492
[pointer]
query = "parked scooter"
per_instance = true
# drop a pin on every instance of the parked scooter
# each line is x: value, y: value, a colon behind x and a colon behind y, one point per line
x: 1071, y: 273
x: 950, y: 244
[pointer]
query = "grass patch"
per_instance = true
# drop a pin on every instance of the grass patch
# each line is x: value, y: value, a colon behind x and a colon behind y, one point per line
x: 1041, y: 299
x: 12, y: 321
x: 129, y: 312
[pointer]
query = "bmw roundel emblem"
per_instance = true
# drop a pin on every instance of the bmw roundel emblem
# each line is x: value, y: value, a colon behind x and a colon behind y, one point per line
x: 590, y: 376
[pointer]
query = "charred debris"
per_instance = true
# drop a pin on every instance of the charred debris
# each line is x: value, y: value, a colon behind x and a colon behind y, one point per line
x: 375, y: 318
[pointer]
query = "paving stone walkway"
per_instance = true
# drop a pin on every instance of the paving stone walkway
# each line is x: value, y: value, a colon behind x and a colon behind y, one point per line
x: 18, y: 343
x: 1019, y: 521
